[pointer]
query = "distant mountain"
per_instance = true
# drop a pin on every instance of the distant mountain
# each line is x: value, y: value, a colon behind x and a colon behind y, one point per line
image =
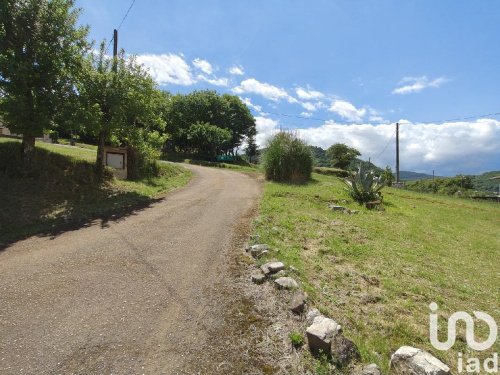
x: 413, y: 176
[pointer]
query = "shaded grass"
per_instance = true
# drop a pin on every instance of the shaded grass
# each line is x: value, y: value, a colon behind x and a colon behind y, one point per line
x: 63, y: 193
x: 377, y: 271
x: 237, y: 166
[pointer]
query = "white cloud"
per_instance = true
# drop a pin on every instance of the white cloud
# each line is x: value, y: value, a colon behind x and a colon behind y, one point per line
x: 236, y: 70
x: 266, y: 128
x: 347, y: 110
x: 249, y: 103
x: 167, y: 68
x: 203, y: 65
x: 449, y: 148
x: 309, y: 106
x: 308, y: 94
x: 268, y: 91
x: 417, y: 84
x: 224, y: 82
x: 306, y: 114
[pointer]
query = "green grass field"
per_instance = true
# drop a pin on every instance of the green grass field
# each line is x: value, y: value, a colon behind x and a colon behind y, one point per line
x: 376, y: 272
x: 64, y: 192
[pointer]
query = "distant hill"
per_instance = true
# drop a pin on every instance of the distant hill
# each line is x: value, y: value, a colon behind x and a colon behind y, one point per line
x: 482, y: 182
x: 413, y: 176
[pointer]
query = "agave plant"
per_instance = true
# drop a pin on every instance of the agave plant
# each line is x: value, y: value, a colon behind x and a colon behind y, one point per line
x: 363, y: 186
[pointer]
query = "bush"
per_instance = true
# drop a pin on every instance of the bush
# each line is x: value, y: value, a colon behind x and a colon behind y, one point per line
x: 364, y: 186
x: 287, y: 159
x: 331, y: 171
x: 296, y: 338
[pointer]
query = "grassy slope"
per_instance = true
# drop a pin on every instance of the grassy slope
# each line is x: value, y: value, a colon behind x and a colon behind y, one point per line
x: 64, y: 193
x: 376, y: 272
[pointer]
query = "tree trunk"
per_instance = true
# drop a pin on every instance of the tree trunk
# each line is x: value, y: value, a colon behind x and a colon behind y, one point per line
x: 28, y: 151
x: 99, y: 163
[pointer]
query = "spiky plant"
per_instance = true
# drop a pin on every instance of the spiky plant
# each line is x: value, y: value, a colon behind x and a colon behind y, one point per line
x: 363, y: 186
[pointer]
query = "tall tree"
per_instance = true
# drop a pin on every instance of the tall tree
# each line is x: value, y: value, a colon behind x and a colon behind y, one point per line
x: 120, y: 104
x: 341, y: 155
x: 41, y: 52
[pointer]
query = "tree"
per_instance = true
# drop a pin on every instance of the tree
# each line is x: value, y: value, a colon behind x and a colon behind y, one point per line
x: 208, y: 139
x: 388, y: 176
x: 41, y: 51
x: 341, y: 155
x: 251, y: 149
x: 224, y: 111
x: 120, y: 104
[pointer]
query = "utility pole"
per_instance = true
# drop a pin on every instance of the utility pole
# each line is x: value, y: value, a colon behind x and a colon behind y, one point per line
x: 397, y: 152
x: 115, y: 49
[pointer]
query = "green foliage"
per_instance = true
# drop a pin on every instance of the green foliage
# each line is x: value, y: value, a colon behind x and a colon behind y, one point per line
x: 341, y: 155
x: 121, y: 104
x: 251, y: 149
x: 388, y: 176
x: 287, y: 159
x: 363, y: 186
x: 296, y: 338
x: 320, y: 159
x: 331, y: 171
x: 208, y: 139
x: 484, y: 183
x: 41, y: 53
x: 224, y: 111
x: 443, y: 185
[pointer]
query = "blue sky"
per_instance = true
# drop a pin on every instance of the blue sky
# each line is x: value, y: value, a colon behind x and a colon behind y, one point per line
x: 344, y: 70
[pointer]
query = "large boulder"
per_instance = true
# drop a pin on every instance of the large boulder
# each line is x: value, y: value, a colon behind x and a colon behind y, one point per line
x: 321, y: 333
x: 408, y: 360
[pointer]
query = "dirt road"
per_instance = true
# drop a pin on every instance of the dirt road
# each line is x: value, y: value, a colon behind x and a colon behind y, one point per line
x: 134, y: 296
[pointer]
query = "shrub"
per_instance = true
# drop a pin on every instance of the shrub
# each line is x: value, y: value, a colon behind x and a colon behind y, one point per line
x: 287, y: 159
x: 363, y: 186
x: 296, y: 338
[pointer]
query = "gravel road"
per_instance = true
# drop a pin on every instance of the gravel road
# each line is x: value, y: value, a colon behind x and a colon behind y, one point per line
x: 133, y: 296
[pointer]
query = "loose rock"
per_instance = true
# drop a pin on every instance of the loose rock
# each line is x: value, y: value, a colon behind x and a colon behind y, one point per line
x: 258, y: 250
x: 344, y: 351
x: 298, y: 303
x: 258, y: 277
x: 410, y: 360
x: 334, y: 207
x: 371, y: 369
x: 320, y: 334
x: 286, y: 283
x: 272, y: 267
x: 311, y: 314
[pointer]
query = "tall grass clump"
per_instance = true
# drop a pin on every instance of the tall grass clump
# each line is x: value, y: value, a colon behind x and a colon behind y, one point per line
x: 287, y: 159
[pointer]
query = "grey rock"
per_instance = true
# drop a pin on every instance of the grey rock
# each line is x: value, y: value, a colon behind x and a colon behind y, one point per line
x: 344, y: 351
x: 334, y: 207
x: 321, y: 333
x: 311, y: 314
x: 258, y: 277
x: 298, y: 303
x: 409, y: 360
x: 255, y: 238
x: 371, y: 369
x: 272, y: 267
x: 286, y: 283
x: 258, y: 250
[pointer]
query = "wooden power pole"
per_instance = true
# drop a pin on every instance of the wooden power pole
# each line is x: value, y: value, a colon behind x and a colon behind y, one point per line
x: 397, y: 152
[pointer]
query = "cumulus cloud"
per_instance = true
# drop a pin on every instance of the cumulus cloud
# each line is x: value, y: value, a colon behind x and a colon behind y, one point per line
x: 347, y: 110
x: 251, y: 105
x: 308, y: 94
x: 449, y: 148
x: 266, y: 128
x: 236, y: 70
x: 224, y: 82
x: 168, y: 69
x: 268, y: 91
x: 416, y: 84
x: 203, y: 65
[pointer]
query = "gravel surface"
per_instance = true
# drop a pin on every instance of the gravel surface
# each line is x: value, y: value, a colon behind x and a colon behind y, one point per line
x: 139, y: 295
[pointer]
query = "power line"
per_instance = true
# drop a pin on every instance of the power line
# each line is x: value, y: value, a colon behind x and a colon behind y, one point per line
x: 121, y: 23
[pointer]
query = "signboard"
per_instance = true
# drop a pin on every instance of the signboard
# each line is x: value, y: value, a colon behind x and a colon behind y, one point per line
x: 115, y: 160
